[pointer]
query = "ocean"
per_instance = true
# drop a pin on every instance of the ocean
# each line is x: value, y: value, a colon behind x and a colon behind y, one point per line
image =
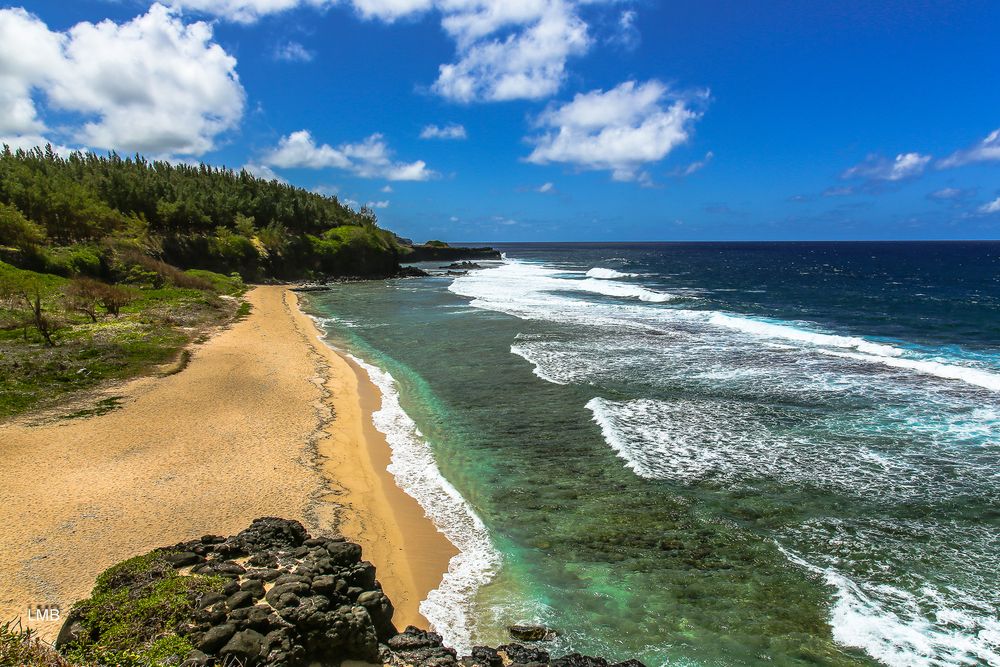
x: 703, y: 453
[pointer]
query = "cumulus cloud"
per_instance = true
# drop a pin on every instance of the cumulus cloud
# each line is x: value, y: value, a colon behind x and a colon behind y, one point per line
x: 991, y: 207
x: 450, y: 131
x: 293, y: 52
x: 619, y: 130
x: 262, y: 171
x: 153, y: 84
x: 505, y: 49
x: 370, y: 158
x: 905, y: 165
x: 378, y: 204
x: 987, y: 150
x: 545, y: 188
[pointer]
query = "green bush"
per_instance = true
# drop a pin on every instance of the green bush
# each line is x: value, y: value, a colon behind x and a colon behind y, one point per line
x: 232, y: 284
x: 74, y: 260
x: 134, y: 612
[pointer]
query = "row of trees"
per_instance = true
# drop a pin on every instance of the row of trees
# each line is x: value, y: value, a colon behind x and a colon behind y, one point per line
x: 190, y: 216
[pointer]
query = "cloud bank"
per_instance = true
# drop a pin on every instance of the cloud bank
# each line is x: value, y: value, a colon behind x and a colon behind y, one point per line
x: 153, y: 84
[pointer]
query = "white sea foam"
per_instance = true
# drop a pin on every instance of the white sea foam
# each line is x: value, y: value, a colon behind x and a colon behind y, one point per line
x: 969, y: 375
x: 530, y: 355
x: 530, y: 290
x: 905, y: 636
x: 415, y: 470
x: 863, y: 350
x: 801, y: 335
x: 618, y: 290
x: 609, y: 274
x: 533, y: 291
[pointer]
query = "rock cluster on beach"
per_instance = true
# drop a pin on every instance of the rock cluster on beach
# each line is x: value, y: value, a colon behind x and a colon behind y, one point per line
x: 279, y: 597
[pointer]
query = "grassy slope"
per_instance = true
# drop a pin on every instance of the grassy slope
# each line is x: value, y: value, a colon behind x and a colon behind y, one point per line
x: 151, y: 331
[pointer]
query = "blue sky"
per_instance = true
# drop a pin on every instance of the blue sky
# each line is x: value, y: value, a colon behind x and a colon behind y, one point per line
x: 525, y: 120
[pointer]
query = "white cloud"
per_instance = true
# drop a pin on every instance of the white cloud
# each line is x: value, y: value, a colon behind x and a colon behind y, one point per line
x: 619, y: 130
x: 370, y: 158
x: 528, y: 63
x: 697, y: 165
x: 946, y: 193
x: 905, y: 165
x: 262, y: 171
x: 326, y: 190
x: 545, y: 188
x: 153, y: 84
x: 449, y: 131
x: 378, y: 204
x: 991, y: 207
x: 390, y: 10
x: 627, y: 35
x: 986, y: 150
x: 386, y: 188
x: 293, y: 52
x: 244, y: 11
x: 505, y: 49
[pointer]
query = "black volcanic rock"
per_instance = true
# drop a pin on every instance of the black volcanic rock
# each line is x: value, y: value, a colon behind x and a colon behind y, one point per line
x: 435, y: 253
x: 292, y: 600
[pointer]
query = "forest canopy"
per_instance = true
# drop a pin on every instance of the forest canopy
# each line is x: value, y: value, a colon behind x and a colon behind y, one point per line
x: 81, y: 214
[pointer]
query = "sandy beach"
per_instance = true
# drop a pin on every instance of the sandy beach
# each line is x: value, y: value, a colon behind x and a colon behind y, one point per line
x: 265, y: 420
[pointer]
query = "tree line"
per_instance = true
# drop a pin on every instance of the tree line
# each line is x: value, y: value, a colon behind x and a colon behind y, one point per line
x: 69, y: 215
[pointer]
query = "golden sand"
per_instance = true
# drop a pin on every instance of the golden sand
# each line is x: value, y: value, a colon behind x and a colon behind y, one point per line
x: 266, y: 420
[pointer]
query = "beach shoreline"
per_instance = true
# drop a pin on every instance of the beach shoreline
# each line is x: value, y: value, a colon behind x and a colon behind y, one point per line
x: 265, y: 420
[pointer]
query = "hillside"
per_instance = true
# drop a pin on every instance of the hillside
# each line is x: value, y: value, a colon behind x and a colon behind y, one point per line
x: 81, y: 214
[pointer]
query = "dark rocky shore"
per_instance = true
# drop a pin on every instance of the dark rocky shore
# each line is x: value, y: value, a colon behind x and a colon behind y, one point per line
x: 271, y: 595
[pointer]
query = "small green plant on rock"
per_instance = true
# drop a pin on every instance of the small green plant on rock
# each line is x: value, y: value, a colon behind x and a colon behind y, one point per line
x: 135, y: 612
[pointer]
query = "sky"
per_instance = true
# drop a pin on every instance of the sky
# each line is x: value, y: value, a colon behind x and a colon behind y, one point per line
x: 543, y: 120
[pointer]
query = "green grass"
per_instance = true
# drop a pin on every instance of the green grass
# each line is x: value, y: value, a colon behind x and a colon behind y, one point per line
x: 135, y: 611
x: 231, y: 284
x: 151, y: 331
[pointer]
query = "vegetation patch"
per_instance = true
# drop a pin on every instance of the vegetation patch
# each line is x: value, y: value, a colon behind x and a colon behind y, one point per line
x: 89, y: 337
x: 101, y: 407
x: 21, y: 647
x: 135, y: 614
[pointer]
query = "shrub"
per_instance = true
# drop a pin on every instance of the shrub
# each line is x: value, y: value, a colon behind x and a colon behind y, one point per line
x: 74, y: 260
x: 21, y: 647
x: 134, y: 612
x: 16, y: 230
x: 143, y: 269
x: 82, y: 296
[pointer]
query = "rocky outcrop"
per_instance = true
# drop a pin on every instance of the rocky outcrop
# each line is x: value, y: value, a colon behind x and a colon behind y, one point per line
x: 465, y: 266
x: 272, y: 595
x: 438, y: 253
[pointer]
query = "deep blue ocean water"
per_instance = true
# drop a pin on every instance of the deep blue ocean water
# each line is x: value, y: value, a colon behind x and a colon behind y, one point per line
x: 746, y: 453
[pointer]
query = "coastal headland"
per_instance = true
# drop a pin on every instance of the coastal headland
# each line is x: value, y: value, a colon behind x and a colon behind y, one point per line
x: 265, y: 420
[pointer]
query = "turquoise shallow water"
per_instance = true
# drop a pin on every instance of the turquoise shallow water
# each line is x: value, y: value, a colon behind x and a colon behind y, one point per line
x: 774, y: 454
